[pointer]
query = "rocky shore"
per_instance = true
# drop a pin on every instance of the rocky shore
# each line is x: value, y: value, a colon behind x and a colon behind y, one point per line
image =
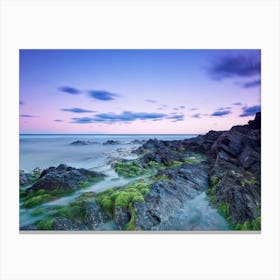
x: 166, y: 175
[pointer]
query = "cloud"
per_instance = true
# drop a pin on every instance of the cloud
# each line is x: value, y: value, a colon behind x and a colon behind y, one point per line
x: 160, y: 108
x: 197, y: 116
x: 250, y: 111
x: 21, y: 102
x: 251, y: 84
x: 102, y: 95
x: 176, y: 118
x: 224, y: 108
x: 27, y: 116
x: 83, y: 120
x: 193, y: 109
x: 237, y: 66
x: 176, y: 109
x: 182, y: 107
x: 221, y: 113
x: 237, y: 103
x: 57, y: 120
x: 125, y: 116
x: 69, y: 90
x: 77, y: 110
x: 151, y: 101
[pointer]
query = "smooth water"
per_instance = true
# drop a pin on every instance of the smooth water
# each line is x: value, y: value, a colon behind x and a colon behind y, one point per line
x: 44, y: 151
x: 40, y: 150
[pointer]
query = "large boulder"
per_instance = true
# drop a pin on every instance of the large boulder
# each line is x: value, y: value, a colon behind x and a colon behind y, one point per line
x: 63, y: 178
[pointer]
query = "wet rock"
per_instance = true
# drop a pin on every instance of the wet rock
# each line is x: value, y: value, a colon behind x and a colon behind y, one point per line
x: 29, y: 227
x: 61, y: 223
x: 63, y: 178
x: 138, y: 142
x: 28, y: 178
x: 95, y: 216
x: 83, y: 142
x: 121, y: 217
x: 166, y: 197
x: 111, y: 142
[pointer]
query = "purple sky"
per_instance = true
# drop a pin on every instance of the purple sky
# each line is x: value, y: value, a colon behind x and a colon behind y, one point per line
x: 137, y: 91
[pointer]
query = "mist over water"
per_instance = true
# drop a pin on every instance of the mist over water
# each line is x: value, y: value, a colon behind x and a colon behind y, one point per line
x: 51, y: 150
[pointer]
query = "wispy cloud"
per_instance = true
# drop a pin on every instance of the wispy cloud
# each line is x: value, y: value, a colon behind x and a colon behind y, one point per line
x: 57, y: 120
x: 224, y: 108
x: 102, y: 95
x: 151, y: 101
x: 126, y: 117
x: 237, y: 104
x: 176, y: 118
x: 193, y: 109
x: 21, y: 102
x: 77, y: 110
x: 251, y: 84
x: 221, y: 113
x: 235, y: 66
x: 27, y: 116
x: 176, y: 109
x: 197, y: 116
x: 69, y: 90
x: 250, y: 111
x: 182, y: 107
x: 83, y: 120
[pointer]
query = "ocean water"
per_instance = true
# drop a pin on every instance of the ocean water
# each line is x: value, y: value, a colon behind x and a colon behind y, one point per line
x: 45, y: 150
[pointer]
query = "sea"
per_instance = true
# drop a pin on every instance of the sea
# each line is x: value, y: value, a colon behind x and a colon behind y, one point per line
x: 45, y: 150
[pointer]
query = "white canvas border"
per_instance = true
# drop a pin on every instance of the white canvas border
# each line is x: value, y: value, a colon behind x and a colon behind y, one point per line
x: 143, y: 24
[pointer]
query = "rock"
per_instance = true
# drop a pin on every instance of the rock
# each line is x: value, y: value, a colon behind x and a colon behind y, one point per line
x: 162, y: 155
x: 95, y: 216
x: 29, y: 227
x: 138, y: 142
x: 166, y: 197
x: 27, y: 178
x: 61, y: 223
x: 83, y: 142
x: 235, y: 160
x: 256, y: 123
x: 111, y: 142
x: 63, y: 178
x: 121, y: 217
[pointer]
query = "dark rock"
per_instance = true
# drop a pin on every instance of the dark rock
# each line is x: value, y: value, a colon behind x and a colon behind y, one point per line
x: 29, y: 227
x: 121, y: 217
x: 61, y: 223
x: 63, y: 178
x: 27, y: 178
x: 166, y: 197
x: 111, y: 142
x: 95, y: 216
x: 83, y: 142
x: 235, y: 160
x: 256, y: 123
x: 136, y: 141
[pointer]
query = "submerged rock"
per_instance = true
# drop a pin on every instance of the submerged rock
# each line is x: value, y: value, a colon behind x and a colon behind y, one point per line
x: 64, y: 178
x: 83, y: 142
x: 111, y: 142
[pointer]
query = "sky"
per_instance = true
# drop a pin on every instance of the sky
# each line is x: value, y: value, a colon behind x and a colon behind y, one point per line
x: 137, y: 91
